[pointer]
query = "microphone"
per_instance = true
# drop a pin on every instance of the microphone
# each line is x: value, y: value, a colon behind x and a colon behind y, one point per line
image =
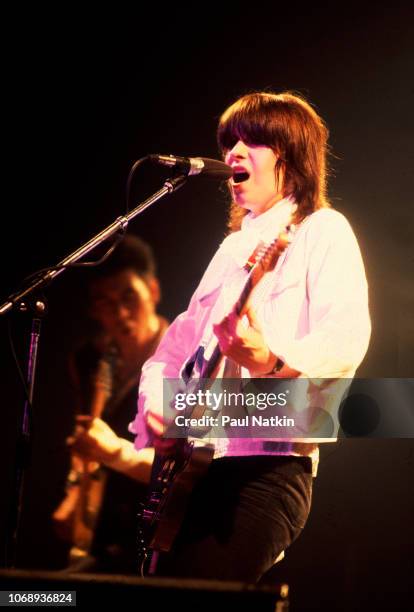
x: 211, y: 168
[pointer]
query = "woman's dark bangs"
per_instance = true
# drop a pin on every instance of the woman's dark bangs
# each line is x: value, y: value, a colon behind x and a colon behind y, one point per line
x: 242, y: 125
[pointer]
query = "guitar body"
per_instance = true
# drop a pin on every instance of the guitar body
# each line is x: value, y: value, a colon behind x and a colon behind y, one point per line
x: 173, y: 480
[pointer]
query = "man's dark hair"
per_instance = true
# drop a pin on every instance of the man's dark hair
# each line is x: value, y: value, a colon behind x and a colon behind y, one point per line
x: 131, y: 253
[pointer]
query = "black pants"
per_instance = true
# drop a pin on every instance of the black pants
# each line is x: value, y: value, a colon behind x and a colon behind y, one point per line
x: 241, y: 516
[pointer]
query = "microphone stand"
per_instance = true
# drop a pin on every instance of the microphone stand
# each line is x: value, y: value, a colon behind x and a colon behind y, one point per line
x: 25, y: 300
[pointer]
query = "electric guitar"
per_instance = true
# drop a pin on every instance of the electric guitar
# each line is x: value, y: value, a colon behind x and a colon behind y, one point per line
x: 174, y: 476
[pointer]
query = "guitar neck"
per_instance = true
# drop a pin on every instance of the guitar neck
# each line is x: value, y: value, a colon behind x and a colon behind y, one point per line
x: 256, y: 270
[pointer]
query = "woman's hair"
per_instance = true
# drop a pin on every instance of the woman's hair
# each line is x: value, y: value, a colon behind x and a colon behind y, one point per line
x: 291, y: 128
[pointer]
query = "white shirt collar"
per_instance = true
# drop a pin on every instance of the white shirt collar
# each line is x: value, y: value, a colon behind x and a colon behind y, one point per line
x: 272, y: 221
x: 263, y: 228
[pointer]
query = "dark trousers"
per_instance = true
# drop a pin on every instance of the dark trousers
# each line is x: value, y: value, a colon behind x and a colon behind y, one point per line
x: 241, y: 516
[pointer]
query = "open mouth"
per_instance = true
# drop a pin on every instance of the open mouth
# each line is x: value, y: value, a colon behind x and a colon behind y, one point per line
x: 240, y: 175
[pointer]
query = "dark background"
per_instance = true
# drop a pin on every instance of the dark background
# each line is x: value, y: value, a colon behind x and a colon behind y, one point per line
x: 85, y: 96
